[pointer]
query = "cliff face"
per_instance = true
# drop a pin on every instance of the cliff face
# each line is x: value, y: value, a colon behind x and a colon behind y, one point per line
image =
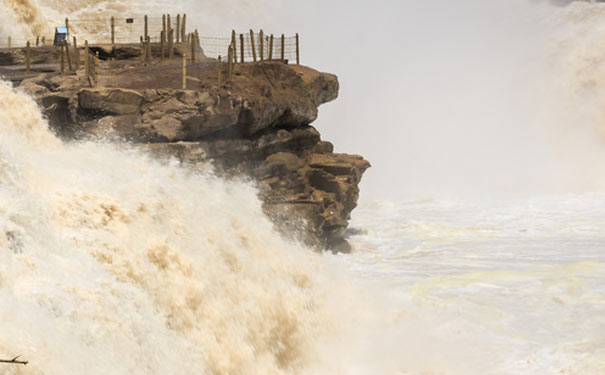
x: 258, y: 124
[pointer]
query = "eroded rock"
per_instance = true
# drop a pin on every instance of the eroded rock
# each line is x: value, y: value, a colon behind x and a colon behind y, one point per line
x: 258, y: 125
x: 101, y: 102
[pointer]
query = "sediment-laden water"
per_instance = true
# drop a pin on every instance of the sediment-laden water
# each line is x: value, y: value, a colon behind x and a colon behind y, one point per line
x: 515, y: 286
x: 112, y: 263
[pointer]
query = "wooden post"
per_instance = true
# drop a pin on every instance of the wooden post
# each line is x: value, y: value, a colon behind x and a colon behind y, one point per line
x: 67, y: 26
x: 283, y: 48
x: 261, y: 45
x: 184, y: 28
x: 230, y: 63
x: 253, y: 46
x: 197, y: 39
x: 169, y: 53
x: 297, y: 49
x: 184, y: 71
x: 68, y: 54
x: 168, y: 24
x: 43, y: 41
x: 167, y: 35
x: 96, y: 69
x: 27, y: 62
x: 271, y: 47
x: 148, y: 50
x: 162, y: 45
x: 241, y: 47
x: 113, y: 31
x: 76, y: 55
x: 142, y: 51
x: 178, y: 28
x: 220, y: 62
x: 171, y: 43
x: 9, y: 42
x: 145, y: 52
x: 164, y: 27
x: 234, y: 55
x: 37, y: 41
x: 62, y: 60
x: 192, y: 49
x: 163, y: 37
x: 234, y: 44
x: 146, y: 31
x: 86, y: 60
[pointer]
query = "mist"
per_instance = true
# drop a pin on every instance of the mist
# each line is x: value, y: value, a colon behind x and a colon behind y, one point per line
x: 109, y: 254
x: 460, y: 99
x: 446, y: 99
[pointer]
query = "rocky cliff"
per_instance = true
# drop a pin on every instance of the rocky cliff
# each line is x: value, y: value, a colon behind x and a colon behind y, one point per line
x: 258, y: 124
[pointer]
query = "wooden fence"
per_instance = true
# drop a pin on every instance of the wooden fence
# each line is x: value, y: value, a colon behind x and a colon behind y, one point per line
x: 252, y: 46
x: 239, y: 48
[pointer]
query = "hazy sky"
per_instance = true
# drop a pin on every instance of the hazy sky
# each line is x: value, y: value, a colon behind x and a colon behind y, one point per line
x: 442, y: 96
x: 426, y: 87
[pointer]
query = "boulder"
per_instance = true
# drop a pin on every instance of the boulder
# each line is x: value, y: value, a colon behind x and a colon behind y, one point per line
x: 109, y: 101
x: 281, y: 164
x: 323, y: 147
x: 294, y: 140
x: 352, y: 166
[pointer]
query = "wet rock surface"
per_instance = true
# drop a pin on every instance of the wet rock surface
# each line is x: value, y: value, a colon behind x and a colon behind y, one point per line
x: 257, y: 125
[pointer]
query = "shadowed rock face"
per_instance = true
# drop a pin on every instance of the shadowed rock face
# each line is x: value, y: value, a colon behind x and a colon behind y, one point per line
x: 41, y: 55
x: 257, y: 125
x: 47, y: 54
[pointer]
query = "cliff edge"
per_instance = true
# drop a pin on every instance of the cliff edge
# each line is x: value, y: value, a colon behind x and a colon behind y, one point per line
x: 257, y: 124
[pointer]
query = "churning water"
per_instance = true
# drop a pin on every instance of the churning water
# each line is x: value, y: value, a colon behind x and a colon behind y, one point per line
x: 517, y: 283
x: 112, y: 263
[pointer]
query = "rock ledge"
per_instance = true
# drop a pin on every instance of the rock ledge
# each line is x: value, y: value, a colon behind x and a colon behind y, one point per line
x: 258, y: 124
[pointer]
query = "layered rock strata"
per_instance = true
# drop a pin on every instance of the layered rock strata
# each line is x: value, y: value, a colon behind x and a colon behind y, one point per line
x: 258, y: 125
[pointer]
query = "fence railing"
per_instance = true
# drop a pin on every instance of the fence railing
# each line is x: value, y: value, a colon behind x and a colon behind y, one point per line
x: 158, y: 35
x: 213, y: 47
x: 252, y: 46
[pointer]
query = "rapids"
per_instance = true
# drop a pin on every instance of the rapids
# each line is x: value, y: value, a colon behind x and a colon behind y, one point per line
x: 112, y: 263
x: 518, y: 284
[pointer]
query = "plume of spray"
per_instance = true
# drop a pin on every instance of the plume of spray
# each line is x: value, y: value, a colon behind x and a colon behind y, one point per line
x: 578, y: 85
x: 21, y: 16
x: 113, y: 263
x: 464, y: 98
x: 110, y: 263
x: 212, y: 18
x: 506, y: 100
